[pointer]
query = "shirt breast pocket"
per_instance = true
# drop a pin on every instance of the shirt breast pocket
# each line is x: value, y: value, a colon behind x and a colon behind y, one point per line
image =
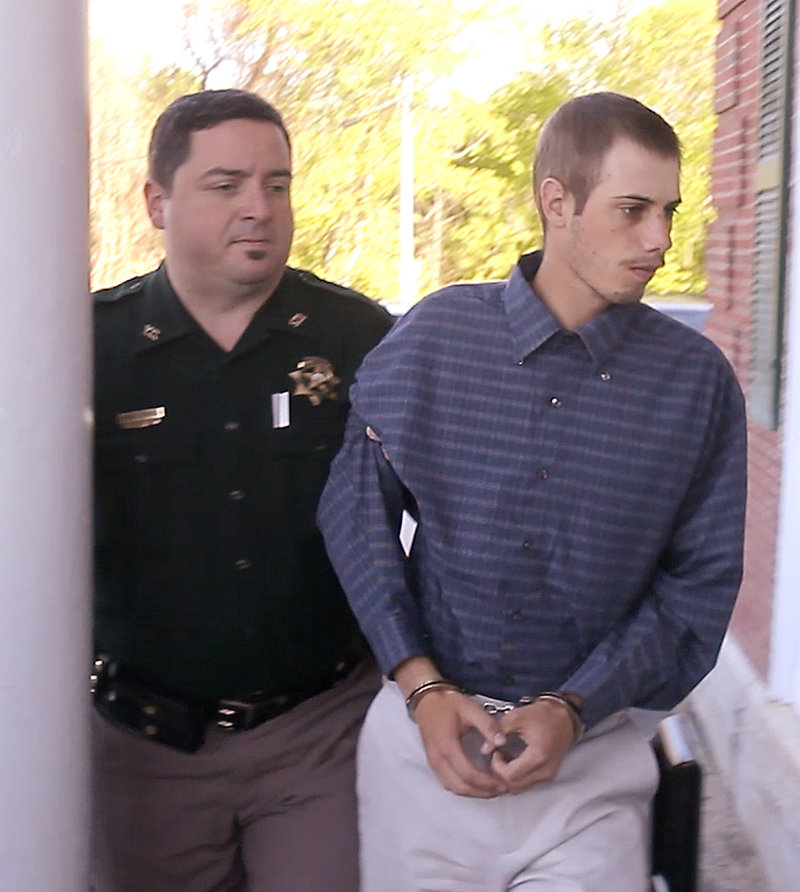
x: 300, y: 458
x: 147, y: 486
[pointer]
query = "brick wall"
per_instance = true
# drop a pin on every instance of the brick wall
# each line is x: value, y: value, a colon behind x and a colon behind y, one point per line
x: 730, y: 271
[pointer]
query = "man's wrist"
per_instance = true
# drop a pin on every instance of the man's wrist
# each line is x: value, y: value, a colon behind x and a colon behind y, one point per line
x: 575, y: 700
x: 412, y: 672
x: 570, y: 702
x: 433, y: 684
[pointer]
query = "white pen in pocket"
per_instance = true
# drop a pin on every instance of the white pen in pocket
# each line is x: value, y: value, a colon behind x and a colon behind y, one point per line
x: 280, y: 409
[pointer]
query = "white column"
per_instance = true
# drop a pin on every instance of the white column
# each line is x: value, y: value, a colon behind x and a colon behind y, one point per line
x: 44, y: 447
x: 784, y: 675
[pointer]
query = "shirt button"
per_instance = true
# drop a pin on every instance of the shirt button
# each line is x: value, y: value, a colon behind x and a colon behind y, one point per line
x: 141, y: 458
x: 231, y: 426
x: 236, y: 495
x: 527, y: 544
x: 604, y: 376
x: 555, y: 402
x: 542, y: 473
x: 516, y: 615
x: 242, y: 564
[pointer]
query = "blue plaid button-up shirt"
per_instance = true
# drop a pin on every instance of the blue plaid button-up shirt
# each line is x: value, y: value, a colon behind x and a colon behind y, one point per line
x: 580, y: 498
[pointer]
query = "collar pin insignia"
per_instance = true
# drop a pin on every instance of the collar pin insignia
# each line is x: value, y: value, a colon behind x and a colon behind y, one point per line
x: 297, y: 320
x: 151, y: 332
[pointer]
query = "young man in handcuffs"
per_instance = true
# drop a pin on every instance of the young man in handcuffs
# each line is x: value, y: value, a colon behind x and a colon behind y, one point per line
x: 571, y: 466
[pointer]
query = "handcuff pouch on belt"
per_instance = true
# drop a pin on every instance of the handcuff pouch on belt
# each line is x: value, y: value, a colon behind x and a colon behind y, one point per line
x: 174, y: 721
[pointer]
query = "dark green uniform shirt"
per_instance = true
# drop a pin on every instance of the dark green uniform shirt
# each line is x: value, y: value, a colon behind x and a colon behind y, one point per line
x: 211, y: 576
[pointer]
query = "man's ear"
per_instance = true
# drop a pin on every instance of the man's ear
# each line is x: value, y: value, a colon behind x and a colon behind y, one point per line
x: 155, y: 196
x: 555, y: 202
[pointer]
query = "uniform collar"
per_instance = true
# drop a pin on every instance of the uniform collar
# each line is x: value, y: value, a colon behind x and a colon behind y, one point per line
x: 532, y: 324
x: 163, y: 318
x: 288, y: 311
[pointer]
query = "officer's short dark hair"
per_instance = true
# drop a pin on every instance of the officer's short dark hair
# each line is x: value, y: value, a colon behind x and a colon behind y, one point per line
x: 576, y: 137
x: 170, y: 142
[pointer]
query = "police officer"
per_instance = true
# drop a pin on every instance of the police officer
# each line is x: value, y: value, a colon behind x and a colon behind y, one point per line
x: 230, y: 679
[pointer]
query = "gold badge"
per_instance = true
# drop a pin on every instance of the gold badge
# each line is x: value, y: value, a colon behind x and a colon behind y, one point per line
x: 297, y: 320
x: 314, y: 377
x: 151, y: 332
x: 141, y: 418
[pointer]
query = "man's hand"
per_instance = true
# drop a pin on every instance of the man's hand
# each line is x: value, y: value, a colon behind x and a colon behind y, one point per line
x: 548, y: 732
x: 444, y: 717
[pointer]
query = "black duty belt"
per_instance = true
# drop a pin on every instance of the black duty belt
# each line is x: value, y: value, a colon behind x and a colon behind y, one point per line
x: 182, y: 723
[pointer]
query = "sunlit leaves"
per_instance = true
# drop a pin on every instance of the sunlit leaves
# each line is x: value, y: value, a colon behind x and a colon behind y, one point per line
x: 335, y: 71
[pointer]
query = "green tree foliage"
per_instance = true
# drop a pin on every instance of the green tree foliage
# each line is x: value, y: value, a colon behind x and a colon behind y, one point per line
x: 336, y: 72
x: 123, y: 109
x: 339, y: 81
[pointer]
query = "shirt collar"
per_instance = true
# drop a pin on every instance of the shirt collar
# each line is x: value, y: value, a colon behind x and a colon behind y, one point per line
x: 288, y: 311
x: 532, y: 324
x: 163, y: 318
x: 530, y: 321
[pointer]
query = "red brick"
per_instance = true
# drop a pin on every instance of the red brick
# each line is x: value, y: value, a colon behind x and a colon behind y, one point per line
x: 730, y: 273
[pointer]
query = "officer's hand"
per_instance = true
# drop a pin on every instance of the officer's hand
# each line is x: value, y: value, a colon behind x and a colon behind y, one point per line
x: 444, y: 717
x: 547, y: 730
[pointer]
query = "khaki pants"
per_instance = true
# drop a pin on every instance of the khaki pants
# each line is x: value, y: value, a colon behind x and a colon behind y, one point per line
x: 267, y: 810
x: 586, y: 831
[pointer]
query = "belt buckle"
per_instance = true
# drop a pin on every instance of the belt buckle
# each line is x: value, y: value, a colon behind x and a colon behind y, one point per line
x: 249, y: 710
x: 233, y: 715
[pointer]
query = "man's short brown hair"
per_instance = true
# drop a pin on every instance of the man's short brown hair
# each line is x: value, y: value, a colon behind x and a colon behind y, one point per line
x: 576, y: 137
x: 170, y: 142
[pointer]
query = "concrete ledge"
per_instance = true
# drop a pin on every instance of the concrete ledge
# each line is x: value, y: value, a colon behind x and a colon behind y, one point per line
x: 755, y: 742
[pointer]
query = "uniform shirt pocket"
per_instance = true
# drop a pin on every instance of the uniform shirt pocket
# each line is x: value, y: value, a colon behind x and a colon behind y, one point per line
x: 147, y: 485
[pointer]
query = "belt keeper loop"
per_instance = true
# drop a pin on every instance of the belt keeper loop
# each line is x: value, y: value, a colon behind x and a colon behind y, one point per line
x: 431, y: 685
